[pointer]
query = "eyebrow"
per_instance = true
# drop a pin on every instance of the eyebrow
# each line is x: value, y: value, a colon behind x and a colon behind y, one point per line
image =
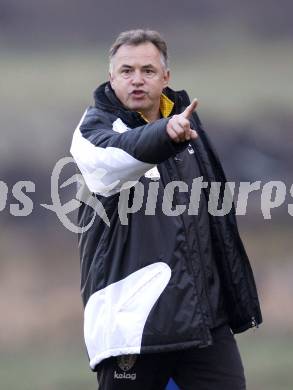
x: 144, y: 66
x: 149, y: 66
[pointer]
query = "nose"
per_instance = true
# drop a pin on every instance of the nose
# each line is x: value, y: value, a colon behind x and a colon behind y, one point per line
x: 137, y: 78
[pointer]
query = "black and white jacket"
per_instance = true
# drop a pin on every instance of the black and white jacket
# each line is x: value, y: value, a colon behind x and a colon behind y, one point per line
x: 142, y: 280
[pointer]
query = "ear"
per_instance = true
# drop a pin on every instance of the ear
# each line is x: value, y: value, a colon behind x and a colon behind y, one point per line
x: 110, y: 79
x: 166, y: 77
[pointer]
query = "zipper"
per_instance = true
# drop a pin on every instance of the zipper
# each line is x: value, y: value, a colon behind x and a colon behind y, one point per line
x: 204, y: 276
x: 207, y: 334
x: 194, y: 278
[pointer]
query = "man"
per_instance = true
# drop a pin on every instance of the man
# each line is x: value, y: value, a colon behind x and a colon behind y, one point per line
x: 165, y: 283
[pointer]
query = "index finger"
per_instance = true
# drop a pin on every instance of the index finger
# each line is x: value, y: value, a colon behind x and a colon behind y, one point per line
x: 189, y: 109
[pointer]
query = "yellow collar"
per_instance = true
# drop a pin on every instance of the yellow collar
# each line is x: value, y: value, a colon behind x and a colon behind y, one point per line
x: 166, y: 107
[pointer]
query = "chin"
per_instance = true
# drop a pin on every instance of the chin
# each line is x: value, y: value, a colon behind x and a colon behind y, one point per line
x: 137, y: 107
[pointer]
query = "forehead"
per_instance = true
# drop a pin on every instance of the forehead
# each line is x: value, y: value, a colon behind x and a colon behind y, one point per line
x: 146, y: 53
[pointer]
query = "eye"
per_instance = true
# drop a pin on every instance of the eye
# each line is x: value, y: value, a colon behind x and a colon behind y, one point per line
x: 126, y: 72
x: 149, y: 72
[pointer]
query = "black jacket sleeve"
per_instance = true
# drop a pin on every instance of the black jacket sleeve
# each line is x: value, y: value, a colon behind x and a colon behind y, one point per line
x: 149, y: 143
x: 120, y: 156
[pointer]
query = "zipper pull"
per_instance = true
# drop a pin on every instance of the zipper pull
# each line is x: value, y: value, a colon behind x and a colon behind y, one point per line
x: 254, y: 324
x: 190, y: 149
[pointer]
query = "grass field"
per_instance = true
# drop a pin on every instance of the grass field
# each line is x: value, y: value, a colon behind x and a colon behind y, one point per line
x: 267, y: 360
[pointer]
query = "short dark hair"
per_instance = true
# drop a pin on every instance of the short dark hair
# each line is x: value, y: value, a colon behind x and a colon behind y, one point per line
x: 137, y: 37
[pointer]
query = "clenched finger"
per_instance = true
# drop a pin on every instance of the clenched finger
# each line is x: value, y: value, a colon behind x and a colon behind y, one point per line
x: 193, y: 134
x: 173, y: 135
x: 179, y: 131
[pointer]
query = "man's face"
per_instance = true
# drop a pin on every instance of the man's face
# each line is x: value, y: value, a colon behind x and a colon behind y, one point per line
x: 138, y: 77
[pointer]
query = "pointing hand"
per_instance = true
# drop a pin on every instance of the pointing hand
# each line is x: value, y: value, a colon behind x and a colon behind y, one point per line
x: 178, y: 127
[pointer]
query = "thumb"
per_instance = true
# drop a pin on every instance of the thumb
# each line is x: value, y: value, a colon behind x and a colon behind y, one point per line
x: 189, y: 109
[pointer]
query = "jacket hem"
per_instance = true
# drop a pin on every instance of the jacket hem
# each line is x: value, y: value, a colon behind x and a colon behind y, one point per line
x: 113, y: 352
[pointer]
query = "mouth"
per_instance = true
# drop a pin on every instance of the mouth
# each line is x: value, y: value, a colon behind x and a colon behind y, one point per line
x: 138, y: 93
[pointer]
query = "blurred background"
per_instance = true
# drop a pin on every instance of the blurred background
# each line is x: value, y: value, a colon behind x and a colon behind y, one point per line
x: 237, y: 59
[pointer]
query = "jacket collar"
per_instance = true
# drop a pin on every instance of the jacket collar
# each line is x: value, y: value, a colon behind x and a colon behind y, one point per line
x: 171, y: 102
